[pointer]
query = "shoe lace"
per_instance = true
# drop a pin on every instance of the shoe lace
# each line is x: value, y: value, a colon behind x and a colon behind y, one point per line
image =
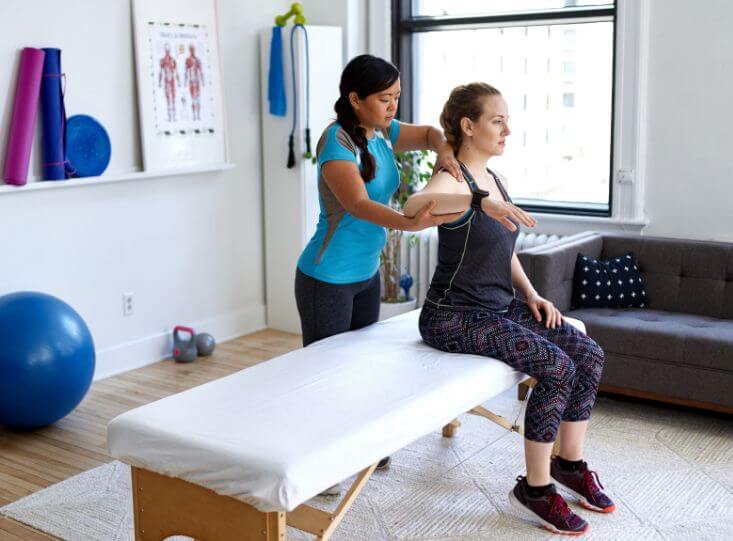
x: 558, y: 506
x: 592, y: 482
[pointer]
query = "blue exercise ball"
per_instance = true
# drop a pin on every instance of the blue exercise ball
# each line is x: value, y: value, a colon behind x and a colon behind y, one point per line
x: 46, y: 359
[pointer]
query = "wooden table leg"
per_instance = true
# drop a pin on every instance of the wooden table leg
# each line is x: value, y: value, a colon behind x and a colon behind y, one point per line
x: 166, y: 506
x: 524, y: 387
x: 451, y: 428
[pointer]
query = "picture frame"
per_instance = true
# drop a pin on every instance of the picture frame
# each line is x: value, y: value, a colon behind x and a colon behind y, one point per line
x: 180, y: 96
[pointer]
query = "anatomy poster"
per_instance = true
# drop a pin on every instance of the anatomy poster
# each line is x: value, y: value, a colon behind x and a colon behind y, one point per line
x: 180, y: 69
x: 180, y: 100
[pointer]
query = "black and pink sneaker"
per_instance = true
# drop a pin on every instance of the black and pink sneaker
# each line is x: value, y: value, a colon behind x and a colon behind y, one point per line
x: 549, y: 509
x: 584, y: 485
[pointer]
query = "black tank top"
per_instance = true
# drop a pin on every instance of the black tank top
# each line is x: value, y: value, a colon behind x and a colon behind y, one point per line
x: 474, y: 268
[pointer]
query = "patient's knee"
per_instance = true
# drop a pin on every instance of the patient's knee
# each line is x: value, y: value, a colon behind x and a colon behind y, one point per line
x: 592, y: 362
x: 559, y: 369
x: 565, y: 368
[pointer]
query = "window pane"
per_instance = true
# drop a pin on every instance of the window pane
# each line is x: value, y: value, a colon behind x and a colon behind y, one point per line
x: 463, y: 8
x: 558, y: 90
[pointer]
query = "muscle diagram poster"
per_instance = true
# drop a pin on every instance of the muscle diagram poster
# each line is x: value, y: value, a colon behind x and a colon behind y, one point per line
x: 179, y: 84
x: 181, y: 77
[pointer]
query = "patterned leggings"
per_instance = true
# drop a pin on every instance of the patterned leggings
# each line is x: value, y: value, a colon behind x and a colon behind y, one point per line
x: 566, y: 363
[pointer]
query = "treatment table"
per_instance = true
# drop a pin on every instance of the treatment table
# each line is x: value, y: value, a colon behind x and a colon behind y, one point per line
x: 237, y: 458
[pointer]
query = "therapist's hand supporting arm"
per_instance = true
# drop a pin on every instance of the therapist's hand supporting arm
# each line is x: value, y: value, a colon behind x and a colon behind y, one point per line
x: 348, y: 187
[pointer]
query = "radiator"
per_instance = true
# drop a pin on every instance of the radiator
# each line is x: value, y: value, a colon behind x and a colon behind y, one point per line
x: 420, y: 257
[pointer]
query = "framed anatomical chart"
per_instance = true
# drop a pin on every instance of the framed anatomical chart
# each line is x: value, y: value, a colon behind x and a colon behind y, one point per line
x: 179, y: 88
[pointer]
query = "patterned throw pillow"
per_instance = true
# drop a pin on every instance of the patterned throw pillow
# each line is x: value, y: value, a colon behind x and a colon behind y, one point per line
x: 613, y: 283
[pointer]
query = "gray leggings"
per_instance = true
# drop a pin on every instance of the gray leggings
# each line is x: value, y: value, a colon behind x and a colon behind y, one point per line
x: 327, y: 309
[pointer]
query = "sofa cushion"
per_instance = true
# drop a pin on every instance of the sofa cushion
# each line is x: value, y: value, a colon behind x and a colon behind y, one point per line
x: 684, y: 339
x: 612, y: 283
x: 687, y: 276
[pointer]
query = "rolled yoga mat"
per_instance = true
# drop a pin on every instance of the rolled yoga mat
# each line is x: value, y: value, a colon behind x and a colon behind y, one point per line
x: 23, y: 122
x: 53, y: 118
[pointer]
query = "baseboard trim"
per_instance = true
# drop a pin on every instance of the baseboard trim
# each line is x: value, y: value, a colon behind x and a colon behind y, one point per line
x: 151, y: 349
x: 612, y: 389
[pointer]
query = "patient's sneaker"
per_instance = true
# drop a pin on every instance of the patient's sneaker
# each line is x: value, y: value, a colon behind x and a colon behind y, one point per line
x: 549, y: 509
x: 576, y: 478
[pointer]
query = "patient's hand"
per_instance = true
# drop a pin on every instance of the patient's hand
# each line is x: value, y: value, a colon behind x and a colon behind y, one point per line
x: 507, y: 214
x: 538, y: 304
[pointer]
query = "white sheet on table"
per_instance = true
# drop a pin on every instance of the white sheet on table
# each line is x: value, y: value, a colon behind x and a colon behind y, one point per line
x: 276, y: 434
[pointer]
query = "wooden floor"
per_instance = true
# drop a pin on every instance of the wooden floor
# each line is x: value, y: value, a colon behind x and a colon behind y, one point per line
x: 34, y: 460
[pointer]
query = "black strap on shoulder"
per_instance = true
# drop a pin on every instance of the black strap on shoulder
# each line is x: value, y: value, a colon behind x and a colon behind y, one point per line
x: 500, y: 185
x: 478, y: 193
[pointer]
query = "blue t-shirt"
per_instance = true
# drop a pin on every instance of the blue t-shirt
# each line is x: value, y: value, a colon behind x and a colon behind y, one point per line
x: 345, y: 249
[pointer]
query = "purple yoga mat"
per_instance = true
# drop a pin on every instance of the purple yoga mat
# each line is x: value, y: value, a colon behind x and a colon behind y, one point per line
x: 24, y: 116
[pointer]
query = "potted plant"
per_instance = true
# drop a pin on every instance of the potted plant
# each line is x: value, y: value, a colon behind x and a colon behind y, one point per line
x: 415, y: 169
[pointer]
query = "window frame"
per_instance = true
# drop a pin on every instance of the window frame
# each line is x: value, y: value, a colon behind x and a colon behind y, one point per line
x: 404, y: 25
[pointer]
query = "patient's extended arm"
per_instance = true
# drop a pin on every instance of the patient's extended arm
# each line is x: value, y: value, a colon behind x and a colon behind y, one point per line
x: 451, y: 196
x: 445, y: 203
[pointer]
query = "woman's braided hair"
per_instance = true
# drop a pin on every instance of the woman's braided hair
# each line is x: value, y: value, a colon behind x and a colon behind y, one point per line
x: 364, y: 74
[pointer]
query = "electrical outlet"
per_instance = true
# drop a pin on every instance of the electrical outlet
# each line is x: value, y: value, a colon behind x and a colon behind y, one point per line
x: 128, y: 304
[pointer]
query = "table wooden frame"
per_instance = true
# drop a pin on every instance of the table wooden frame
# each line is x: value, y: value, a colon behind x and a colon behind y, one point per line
x: 166, y: 506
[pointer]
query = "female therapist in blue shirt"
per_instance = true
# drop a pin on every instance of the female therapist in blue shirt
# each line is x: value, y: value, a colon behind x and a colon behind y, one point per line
x: 337, y: 285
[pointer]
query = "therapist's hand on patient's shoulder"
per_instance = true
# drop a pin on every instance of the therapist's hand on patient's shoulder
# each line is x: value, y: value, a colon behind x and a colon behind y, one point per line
x: 447, y: 161
x: 507, y: 214
x: 424, y: 219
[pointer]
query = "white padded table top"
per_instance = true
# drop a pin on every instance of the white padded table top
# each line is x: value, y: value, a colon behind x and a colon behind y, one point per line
x: 276, y: 434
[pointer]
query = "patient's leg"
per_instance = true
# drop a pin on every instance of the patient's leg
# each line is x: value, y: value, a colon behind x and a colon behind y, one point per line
x: 586, y: 354
x: 572, y: 438
x: 486, y: 333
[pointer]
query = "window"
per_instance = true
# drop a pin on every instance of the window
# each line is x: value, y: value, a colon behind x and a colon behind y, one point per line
x: 570, y: 43
x: 553, y: 61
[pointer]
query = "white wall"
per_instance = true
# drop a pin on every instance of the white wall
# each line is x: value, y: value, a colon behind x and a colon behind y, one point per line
x: 350, y: 15
x: 689, y: 188
x: 189, y: 247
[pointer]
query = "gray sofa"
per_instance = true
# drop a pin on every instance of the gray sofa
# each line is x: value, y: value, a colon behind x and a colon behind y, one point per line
x: 679, y: 348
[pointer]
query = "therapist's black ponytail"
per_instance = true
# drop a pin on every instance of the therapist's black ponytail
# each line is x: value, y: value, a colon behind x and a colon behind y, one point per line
x: 364, y: 74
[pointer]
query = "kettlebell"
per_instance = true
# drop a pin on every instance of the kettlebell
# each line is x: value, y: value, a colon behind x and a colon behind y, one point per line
x: 184, y: 351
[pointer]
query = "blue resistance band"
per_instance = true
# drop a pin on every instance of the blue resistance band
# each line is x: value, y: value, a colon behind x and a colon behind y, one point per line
x: 276, y: 77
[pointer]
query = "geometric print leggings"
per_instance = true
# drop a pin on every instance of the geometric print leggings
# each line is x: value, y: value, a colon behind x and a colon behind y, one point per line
x: 566, y: 363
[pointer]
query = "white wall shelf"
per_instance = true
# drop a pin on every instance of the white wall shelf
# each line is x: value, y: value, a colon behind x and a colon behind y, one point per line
x: 108, y: 179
